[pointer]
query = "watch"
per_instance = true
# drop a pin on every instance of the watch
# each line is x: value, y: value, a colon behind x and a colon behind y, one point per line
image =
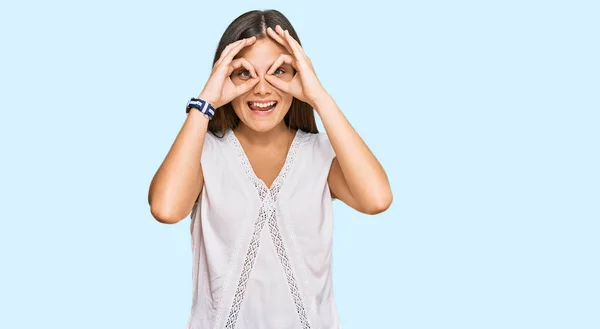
x: 201, y: 105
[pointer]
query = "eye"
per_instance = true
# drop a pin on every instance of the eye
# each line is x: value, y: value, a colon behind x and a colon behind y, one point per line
x: 279, y: 69
x: 243, y: 74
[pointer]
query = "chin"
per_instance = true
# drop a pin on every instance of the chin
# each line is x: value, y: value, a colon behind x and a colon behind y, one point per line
x: 261, y: 125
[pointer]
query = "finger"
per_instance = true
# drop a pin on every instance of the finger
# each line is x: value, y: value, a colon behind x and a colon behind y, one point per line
x: 283, y: 58
x: 279, y: 30
x: 293, y: 43
x: 233, y: 45
x: 226, y: 51
x: 278, y: 38
x: 225, y: 55
x: 290, y: 40
x: 302, y: 60
x: 296, y: 48
x: 278, y: 83
x: 236, y: 49
x: 241, y: 62
x: 281, y: 34
x: 246, y: 86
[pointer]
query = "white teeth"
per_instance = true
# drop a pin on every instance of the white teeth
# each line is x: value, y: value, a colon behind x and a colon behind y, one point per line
x: 263, y: 104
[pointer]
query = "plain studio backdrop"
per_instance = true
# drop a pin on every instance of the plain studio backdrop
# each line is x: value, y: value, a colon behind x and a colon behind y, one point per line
x: 484, y: 113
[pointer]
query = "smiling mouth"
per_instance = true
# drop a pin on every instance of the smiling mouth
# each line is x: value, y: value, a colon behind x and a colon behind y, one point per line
x: 262, y: 107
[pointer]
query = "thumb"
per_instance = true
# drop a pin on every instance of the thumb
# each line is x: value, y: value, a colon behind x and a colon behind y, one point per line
x: 246, y: 86
x: 277, y: 83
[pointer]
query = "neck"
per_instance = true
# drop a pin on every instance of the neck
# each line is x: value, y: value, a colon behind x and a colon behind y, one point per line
x: 276, y: 135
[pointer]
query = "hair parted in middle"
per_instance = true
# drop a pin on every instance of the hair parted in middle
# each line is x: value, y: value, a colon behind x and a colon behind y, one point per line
x: 254, y: 24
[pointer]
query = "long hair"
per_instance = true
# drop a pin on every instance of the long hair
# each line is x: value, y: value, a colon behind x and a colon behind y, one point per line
x: 254, y: 23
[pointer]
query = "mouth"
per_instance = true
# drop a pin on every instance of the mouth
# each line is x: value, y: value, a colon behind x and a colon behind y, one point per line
x: 262, y: 108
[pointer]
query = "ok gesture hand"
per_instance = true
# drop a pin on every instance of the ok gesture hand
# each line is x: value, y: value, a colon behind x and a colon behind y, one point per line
x: 219, y: 89
x: 305, y: 85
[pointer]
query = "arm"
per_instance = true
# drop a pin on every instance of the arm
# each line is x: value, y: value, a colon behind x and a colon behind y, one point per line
x: 178, y: 181
x: 355, y: 177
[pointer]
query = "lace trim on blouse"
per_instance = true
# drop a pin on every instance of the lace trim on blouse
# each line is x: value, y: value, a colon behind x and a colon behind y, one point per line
x: 267, y: 214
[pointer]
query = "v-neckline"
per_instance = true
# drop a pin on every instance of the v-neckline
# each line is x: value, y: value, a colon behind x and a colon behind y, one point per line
x: 245, y: 162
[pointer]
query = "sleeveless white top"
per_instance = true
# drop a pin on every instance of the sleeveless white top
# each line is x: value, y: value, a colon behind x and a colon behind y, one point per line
x: 262, y: 257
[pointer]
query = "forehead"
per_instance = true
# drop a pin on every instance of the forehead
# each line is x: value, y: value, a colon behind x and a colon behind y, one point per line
x: 262, y: 53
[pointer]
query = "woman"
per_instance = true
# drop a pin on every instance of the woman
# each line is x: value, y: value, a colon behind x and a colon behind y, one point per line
x: 259, y: 181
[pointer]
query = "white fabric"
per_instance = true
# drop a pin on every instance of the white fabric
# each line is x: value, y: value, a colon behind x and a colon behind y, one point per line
x: 262, y: 257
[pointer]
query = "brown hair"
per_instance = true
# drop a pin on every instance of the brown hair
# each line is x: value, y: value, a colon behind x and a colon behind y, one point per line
x: 254, y: 23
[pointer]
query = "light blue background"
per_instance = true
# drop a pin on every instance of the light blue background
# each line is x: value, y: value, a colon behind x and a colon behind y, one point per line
x: 485, y: 115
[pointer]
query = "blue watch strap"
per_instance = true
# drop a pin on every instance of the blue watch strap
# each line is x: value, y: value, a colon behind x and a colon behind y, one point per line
x: 202, y: 105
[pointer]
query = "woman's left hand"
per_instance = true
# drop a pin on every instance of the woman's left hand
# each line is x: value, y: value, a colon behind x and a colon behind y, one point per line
x: 305, y: 85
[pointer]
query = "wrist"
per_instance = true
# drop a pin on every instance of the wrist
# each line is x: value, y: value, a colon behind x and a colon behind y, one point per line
x: 197, y: 115
x: 201, y: 104
x: 210, y: 99
x: 322, y: 102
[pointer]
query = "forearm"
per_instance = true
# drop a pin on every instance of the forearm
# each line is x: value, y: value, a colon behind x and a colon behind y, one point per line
x: 366, y: 178
x: 178, y: 181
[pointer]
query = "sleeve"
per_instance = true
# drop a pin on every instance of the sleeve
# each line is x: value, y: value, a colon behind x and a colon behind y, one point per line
x: 324, y: 148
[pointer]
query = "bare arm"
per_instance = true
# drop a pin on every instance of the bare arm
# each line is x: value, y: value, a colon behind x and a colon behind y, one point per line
x: 178, y: 181
x: 355, y: 177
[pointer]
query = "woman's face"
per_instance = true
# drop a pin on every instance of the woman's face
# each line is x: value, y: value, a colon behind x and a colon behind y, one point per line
x: 253, y: 107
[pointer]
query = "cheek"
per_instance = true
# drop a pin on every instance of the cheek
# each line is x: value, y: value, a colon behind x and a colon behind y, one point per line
x: 237, y: 105
x: 287, y: 98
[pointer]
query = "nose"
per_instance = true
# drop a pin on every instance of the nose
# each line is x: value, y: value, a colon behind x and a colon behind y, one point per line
x: 262, y: 87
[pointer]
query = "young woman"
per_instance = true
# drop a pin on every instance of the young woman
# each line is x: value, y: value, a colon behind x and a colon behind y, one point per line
x: 259, y: 180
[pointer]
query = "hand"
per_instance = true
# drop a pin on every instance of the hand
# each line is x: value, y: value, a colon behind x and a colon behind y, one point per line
x: 305, y: 85
x: 219, y: 89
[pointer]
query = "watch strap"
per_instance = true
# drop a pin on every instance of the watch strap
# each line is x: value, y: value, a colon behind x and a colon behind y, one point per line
x: 201, y: 105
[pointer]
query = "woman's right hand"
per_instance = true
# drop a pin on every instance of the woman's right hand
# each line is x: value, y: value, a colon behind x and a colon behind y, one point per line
x: 219, y: 89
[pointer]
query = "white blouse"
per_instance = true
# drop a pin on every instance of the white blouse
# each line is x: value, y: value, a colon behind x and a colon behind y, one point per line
x: 262, y: 257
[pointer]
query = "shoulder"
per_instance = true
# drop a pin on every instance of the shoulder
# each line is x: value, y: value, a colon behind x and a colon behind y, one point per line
x: 213, y: 145
x: 319, y: 145
x: 212, y: 137
x: 214, y: 140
